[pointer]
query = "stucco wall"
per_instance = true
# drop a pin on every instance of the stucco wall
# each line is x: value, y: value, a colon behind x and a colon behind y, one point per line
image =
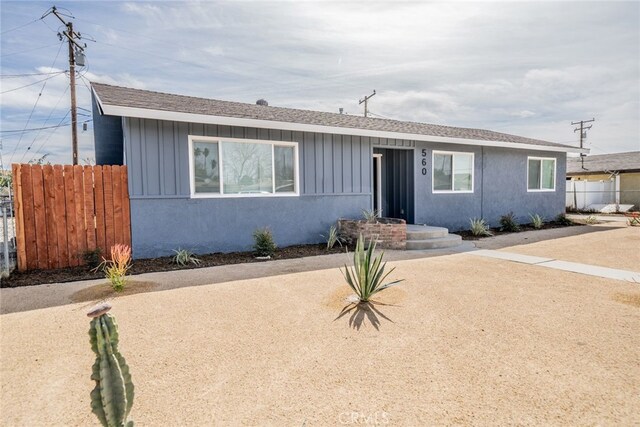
x: 500, y: 186
x: 225, y: 225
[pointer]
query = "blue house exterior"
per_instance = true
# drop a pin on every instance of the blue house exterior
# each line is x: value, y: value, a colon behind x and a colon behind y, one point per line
x: 204, y: 174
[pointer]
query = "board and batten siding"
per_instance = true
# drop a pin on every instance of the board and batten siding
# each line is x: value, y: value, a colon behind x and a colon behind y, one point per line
x: 158, y: 158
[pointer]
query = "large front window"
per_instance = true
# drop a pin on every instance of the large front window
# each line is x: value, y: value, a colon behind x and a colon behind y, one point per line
x: 541, y: 175
x: 452, y: 172
x: 232, y: 167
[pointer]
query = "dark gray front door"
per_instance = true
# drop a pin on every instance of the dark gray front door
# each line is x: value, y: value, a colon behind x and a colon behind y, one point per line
x: 396, y: 183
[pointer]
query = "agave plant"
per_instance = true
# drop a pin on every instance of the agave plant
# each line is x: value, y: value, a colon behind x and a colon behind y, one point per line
x: 371, y: 215
x: 184, y: 256
x: 367, y: 275
x: 479, y: 227
x: 333, y: 237
x: 537, y: 221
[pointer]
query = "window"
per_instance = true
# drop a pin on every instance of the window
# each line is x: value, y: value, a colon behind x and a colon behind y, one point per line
x: 237, y: 168
x: 452, y: 172
x: 541, y: 174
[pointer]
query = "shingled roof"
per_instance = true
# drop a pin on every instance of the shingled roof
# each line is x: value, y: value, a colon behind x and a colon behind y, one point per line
x: 116, y: 96
x: 605, y: 163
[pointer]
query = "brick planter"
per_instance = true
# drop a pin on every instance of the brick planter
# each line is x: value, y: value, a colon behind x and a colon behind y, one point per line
x: 389, y: 233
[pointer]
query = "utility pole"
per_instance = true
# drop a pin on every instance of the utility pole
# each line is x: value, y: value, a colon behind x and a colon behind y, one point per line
x: 74, y: 49
x: 583, y: 134
x: 366, y: 101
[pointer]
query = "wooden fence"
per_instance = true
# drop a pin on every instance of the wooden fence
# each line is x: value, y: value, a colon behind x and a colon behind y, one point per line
x: 64, y: 211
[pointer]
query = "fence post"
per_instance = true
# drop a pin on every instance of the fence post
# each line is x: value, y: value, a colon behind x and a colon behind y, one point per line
x: 5, y: 233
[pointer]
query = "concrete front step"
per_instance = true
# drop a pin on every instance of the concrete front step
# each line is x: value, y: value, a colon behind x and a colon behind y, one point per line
x: 424, y: 232
x: 449, y: 241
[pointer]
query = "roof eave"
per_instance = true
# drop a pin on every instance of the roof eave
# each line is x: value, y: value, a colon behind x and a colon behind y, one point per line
x: 145, y: 113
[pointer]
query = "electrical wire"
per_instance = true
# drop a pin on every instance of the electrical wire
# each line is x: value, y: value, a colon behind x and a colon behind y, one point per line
x: 34, y: 83
x: 36, y: 103
x: 45, y: 122
x: 10, y: 76
x: 18, y: 131
x: 28, y: 50
x: 19, y: 26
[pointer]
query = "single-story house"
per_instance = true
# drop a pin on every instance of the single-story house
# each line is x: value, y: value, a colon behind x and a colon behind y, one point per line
x: 204, y: 173
x: 621, y: 171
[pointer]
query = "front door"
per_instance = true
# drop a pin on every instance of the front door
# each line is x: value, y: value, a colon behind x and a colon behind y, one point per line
x: 393, y: 183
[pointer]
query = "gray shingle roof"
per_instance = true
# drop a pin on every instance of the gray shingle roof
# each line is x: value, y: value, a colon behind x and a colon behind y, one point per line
x: 629, y: 161
x: 136, y: 98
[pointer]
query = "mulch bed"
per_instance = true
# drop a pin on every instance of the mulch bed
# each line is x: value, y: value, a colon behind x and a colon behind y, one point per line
x: 466, y: 234
x: 71, y: 274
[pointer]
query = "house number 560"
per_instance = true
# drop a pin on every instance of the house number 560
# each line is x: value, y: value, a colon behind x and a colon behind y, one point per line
x: 424, y: 161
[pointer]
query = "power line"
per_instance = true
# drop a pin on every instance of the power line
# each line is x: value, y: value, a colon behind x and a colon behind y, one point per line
x: 45, y: 122
x: 20, y: 26
x: 36, y: 103
x: 34, y: 83
x: 28, y: 50
x: 17, y: 131
x: 9, y: 76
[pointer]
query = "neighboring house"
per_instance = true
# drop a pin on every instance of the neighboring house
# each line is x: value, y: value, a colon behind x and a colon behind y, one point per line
x: 619, y: 174
x: 204, y: 174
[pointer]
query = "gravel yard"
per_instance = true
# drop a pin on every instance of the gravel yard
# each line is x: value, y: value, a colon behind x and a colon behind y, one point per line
x: 464, y: 340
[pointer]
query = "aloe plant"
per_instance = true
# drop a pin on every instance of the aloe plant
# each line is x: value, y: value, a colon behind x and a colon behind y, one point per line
x: 479, y: 227
x: 367, y: 275
x: 537, y: 221
x: 112, y: 397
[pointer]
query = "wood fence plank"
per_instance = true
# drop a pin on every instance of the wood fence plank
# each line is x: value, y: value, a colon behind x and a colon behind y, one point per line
x: 70, y: 209
x: 126, y: 209
x: 50, y: 216
x: 117, y: 204
x: 89, y: 211
x: 61, y: 218
x: 29, y: 218
x: 40, y: 218
x: 99, y: 205
x: 79, y: 215
x: 108, y: 210
x: 21, y: 252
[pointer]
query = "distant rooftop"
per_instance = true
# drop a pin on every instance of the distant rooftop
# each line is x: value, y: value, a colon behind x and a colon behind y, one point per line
x: 600, y: 163
x: 117, y: 96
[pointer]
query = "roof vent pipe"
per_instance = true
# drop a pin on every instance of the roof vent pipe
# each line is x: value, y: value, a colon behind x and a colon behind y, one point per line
x: 262, y: 102
x: 341, y: 110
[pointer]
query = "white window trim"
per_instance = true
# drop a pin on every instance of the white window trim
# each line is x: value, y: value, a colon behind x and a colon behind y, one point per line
x: 220, y: 140
x: 555, y: 173
x: 453, y: 168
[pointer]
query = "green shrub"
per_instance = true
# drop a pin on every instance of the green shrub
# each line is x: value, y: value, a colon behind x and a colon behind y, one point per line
x: 264, y: 246
x: 367, y: 274
x: 479, y: 227
x: 184, y: 257
x: 508, y: 223
x: 91, y: 258
x: 537, y: 221
x: 561, y: 219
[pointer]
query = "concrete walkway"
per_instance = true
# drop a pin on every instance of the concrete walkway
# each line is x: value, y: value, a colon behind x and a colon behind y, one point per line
x: 575, y: 267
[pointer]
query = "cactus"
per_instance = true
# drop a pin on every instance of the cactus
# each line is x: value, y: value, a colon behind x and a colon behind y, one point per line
x: 112, y: 398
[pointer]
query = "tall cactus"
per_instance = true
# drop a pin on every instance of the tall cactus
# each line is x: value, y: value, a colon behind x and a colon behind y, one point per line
x: 112, y: 398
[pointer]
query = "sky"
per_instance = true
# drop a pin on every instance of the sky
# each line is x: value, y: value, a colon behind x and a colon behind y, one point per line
x: 526, y: 68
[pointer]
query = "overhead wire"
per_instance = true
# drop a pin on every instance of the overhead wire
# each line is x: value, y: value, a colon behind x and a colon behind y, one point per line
x: 36, y: 103
x: 4, y: 55
x: 9, y: 76
x: 19, y: 26
x: 33, y: 83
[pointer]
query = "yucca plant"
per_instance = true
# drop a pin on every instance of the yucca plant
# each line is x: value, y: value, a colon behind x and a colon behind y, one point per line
x: 479, y: 227
x: 184, y: 257
x: 115, y: 269
x: 537, y: 221
x: 591, y: 219
x: 367, y: 275
x: 371, y: 215
x: 333, y: 237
